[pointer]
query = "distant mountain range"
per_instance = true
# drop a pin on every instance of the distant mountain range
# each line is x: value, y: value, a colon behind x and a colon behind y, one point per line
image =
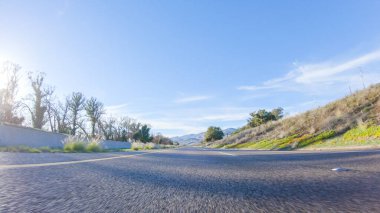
x: 197, y: 138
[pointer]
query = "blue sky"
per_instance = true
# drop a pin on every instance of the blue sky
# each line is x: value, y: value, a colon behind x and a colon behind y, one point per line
x: 184, y: 65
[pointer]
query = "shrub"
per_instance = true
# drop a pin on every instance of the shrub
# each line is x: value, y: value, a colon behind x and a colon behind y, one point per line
x: 141, y: 146
x: 93, y: 147
x: 213, y: 133
x: 137, y: 146
x: 75, y: 146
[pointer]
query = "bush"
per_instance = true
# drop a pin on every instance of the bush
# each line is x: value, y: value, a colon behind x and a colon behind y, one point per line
x: 142, y: 146
x: 213, y: 133
x: 75, y: 146
x: 93, y: 147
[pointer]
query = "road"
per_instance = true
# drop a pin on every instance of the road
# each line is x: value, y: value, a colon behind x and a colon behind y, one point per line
x: 190, y: 180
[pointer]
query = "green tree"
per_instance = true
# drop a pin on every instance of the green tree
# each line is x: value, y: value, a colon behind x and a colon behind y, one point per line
x: 259, y: 117
x: 214, y: 133
x: 143, y: 134
x: 262, y: 116
x: 278, y: 113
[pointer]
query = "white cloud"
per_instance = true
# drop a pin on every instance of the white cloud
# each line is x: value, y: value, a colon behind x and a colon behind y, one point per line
x: 254, y: 88
x: 308, y: 77
x: 192, y: 99
x: 321, y: 72
x: 116, y: 107
x: 224, y: 117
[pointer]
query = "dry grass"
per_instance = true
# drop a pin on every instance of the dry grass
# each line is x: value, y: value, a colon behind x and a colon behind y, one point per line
x: 361, y: 108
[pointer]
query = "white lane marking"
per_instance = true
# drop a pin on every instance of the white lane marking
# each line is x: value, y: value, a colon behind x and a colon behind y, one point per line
x: 339, y: 169
x: 225, y: 153
x: 15, y: 166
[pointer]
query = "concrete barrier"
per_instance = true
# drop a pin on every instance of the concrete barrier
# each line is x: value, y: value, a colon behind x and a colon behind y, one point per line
x: 11, y: 135
x: 107, y: 144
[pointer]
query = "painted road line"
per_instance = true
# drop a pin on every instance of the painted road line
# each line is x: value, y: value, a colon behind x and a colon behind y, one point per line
x: 16, y: 166
x: 225, y: 153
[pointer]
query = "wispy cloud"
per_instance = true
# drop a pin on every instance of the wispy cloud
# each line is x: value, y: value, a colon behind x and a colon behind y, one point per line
x: 321, y: 72
x: 192, y: 99
x: 306, y: 76
x: 224, y: 117
x: 117, y: 107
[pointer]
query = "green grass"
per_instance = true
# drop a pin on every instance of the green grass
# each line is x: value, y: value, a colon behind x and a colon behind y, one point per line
x: 27, y: 149
x: 317, y: 138
x: 360, y: 136
x: 73, y: 145
x: 19, y: 149
x: 287, y: 143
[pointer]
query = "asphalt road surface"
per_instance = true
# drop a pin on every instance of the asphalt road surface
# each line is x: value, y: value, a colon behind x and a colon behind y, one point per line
x: 190, y: 180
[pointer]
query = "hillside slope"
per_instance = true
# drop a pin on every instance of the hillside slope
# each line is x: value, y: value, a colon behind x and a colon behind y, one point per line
x: 353, y: 120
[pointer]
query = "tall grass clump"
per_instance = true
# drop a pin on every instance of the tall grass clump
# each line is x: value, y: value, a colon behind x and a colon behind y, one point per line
x: 74, y: 144
x: 144, y: 146
x: 93, y: 146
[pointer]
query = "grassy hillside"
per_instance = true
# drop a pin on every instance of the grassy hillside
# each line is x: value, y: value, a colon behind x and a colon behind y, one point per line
x: 351, y: 121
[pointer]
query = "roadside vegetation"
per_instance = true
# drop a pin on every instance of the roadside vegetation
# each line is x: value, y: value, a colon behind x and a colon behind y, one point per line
x: 351, y: 121
x: 27, y: 149
x: 213, y: 133
x: 75, y: 115
x: 73, y: 144
x: 78, y: 145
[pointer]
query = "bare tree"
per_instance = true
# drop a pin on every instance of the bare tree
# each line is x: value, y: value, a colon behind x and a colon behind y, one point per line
x: 76, y: 104
x: 134, y: 127
x: 61, y: 114
x: 124, y: 128
x: 51, y: 108
x: 108, y: 127
x: 38, y: 98
x: 94, y: 110
x: 8, y: 104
